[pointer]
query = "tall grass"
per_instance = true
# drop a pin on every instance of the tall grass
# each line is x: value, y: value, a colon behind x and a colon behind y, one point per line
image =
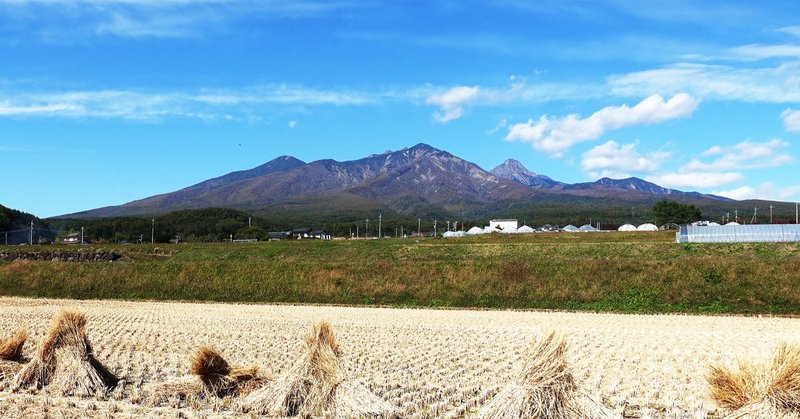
x: 607, y: 272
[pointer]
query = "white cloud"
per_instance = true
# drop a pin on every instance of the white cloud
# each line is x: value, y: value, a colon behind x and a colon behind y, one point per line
x: 768, y: 191
x: 791, y: 120
x: 742, y: 192
x: 791, y: 30
x: 201, y: 104
x: 755, y: 52
x: 779, y: 84
x: 619, y: 160
x: 691, y: 180
x: 743, y: 156
x: 66, y: 20
x: 501, y: 124
x: 452, y: 102
x: 8, y: 109
x: 554, y: 136
x: 726, y: 166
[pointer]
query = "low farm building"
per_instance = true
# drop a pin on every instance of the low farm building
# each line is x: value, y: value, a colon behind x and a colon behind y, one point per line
x: 503, y: 225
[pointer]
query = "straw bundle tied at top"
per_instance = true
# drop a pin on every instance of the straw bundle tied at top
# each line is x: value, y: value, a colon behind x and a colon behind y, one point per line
x: 765, y: 390
x: 65, y: 361
x: 544, y: 389
x: 316, y: 385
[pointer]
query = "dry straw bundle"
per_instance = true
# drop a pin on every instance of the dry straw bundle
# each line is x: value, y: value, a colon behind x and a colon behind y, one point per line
x: 65, y: 361
x: 213, y: 377
x: 11, y: 348
x: 316, y: 385
x: 756, y: 391
x: 11, y: 354
x: 544, y: 389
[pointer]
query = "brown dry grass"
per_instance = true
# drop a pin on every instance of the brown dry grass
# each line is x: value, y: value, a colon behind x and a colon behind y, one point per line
x: 11, y: 348
x: 757, y: 389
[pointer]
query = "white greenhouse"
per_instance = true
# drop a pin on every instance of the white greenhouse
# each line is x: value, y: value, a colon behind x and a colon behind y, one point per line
x: 627, y: 227
x: 586, y: 228
x: 570, y: 228
x: 451, y: 234
x: 490, y: 229
x: 475, y: 230
x: 647, y: 227
x: 525, y: 229
x: 739, y: 233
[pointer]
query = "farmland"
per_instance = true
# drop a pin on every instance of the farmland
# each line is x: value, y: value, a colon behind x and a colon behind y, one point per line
x: 426, y: 363
x: 609, y: 272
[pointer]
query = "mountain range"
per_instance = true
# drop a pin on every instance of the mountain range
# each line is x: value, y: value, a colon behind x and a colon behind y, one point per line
x: 416, y: 181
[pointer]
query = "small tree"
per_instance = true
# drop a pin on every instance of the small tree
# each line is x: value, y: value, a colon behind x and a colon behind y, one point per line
x: 671, y: 212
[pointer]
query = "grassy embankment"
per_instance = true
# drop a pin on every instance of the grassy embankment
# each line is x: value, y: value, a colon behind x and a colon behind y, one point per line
x: 632, y: 272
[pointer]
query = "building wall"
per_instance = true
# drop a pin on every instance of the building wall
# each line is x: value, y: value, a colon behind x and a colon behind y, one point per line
x: 504, y: 224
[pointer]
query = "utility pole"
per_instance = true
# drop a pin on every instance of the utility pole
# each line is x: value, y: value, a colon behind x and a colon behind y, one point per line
x: 31, y: 232
x: 153, y: 232
x: 6, y: 239
x: 379, y: 226
x: 770, y: 213
x: 249, y: 222
x: 448, y: 225
x: 366, y: 233
x: 356, y: 230
x: 419, y: 227
x: 736, y: 216
x: 81, y: 234
x: 434, y: 228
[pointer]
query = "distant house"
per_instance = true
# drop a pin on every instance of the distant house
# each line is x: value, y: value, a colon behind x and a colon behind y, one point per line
x: 279, y: 235
x: 301, y: 233
x: 320, y: 234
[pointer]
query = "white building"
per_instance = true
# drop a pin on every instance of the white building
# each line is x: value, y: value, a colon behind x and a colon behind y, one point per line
x: 504, y: 225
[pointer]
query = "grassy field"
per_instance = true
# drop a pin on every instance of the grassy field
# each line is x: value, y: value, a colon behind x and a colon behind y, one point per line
x: 626, y: 272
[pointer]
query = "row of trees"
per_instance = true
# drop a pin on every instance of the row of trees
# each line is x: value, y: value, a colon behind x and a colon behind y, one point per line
x: 217, y: 224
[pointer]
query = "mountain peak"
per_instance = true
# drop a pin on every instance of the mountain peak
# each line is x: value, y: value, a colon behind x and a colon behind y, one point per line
x: 515, y: 171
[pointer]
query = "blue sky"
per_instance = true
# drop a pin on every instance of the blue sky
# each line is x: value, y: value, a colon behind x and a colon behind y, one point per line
x: 107, y: 101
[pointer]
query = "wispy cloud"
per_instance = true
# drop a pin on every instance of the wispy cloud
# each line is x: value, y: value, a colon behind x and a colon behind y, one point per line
x: 726, y: 164
x: 756, y: 52
x: 695, y: 180
x: 791, y: 120
x: 147, y: 105
x: 555, y: 135
x: 615, y: 160
x: 452, y: 102
x: 746, y: 155
x: 779, y: 84
x: 767, y: 190
x: 149, y: 18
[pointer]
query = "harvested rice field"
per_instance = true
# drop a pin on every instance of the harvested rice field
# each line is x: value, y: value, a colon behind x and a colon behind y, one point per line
x: 423, y: 363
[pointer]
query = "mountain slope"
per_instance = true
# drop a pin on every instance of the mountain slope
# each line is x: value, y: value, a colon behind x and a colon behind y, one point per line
x: 514, y: 170
x: 409, y: 181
